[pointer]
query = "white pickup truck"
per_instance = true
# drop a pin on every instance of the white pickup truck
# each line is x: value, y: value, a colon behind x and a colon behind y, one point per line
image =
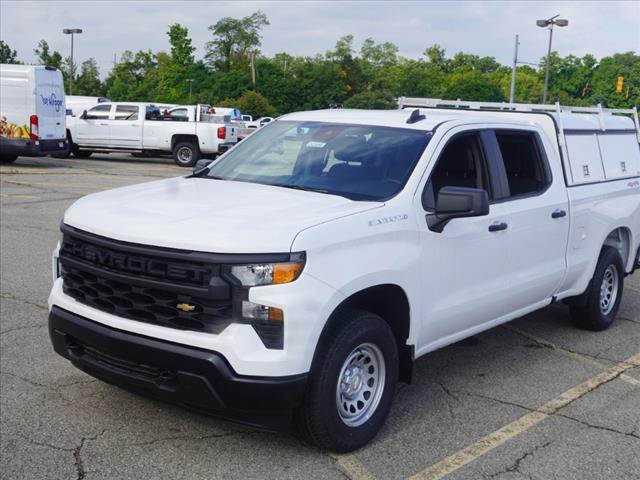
x: 188, y: 132
x: 301, y: 274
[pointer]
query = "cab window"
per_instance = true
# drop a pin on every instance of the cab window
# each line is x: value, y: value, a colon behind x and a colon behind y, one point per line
x: 523, y: 163
x: 126, y: 112
x: 99, y: 112
x: 462, y: 163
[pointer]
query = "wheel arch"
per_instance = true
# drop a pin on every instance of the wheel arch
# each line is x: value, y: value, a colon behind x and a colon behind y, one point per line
x: 621, y: 238
x: 391, y: 303
x: 183, y: 137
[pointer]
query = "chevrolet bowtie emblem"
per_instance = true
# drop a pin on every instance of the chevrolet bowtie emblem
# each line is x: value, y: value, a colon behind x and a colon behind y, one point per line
x: 185, y: 307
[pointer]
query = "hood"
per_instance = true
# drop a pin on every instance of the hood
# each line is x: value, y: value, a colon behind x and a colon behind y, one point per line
x: 208, y: 215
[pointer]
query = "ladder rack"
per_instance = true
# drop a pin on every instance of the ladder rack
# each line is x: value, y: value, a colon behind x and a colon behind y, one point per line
x: 418, y: 102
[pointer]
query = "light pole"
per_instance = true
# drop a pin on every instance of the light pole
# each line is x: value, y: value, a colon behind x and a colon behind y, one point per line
x: 550, y: 22
x: 72, y: 32
x: 513, y: 73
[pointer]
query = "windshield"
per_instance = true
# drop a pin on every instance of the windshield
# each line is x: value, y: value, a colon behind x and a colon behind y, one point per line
x: 359, y: 162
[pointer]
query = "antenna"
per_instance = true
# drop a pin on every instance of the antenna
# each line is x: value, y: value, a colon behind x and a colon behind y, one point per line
x: 415, y: 116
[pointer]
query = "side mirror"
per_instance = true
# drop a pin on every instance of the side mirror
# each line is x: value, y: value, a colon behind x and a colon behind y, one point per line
x: 201, y: 165
x: 457, y: 202
x: 84, y: 115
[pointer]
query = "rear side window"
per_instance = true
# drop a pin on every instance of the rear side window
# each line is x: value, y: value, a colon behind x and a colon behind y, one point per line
x: 126, y: 112
x: 99, y: 112
x: 523, y: 163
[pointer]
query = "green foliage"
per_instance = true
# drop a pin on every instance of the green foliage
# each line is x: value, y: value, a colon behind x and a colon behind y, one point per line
x: 88, y: 82
x: 233, y: 41
x: 46, y: 56
x: 7, y: 55
x: 472, y: 85
x: 372, y: 100
x: 252, y: 103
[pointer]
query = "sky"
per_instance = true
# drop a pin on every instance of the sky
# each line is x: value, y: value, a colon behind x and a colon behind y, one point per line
x: 309, y: 27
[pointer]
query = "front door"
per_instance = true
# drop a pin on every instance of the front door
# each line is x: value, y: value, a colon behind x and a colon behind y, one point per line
x: 126, y: 127
x: 465, y: 268
x: 94, y: 129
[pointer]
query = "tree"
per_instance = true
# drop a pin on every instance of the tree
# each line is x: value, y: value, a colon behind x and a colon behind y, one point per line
x: 372, y: 100
x: 7, y: 55
x: 181, y: 48
x: 252, y: 103
x: 234, y: 40
x: 46, y: 56
x: 88, y: 82
x: 473, y: 85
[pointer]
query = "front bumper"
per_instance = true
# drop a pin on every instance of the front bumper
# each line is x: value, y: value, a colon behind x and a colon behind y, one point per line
x: 195, y: 378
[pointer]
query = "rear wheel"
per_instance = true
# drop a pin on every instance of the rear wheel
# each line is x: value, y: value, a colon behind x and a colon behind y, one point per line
x: 8, y: 158
x: 186, y: 154
x: 603, y: 294
x: 352, y: 384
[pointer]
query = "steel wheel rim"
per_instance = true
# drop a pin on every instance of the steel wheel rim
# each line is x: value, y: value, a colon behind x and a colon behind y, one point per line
x: 360, y: 384
x: 609, y: 289
x: 185, y: 155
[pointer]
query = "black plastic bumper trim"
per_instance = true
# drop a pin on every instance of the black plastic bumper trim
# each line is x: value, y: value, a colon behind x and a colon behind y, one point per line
x: 194, y: 378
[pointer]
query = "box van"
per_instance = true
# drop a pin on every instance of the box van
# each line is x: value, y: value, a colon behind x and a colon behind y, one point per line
x: 76, y: 104
x: 32, y: 111
x: 299, y: 276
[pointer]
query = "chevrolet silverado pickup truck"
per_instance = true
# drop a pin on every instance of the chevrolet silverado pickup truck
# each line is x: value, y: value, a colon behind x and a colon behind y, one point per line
x: 296, y: 279
x: 188, y: 132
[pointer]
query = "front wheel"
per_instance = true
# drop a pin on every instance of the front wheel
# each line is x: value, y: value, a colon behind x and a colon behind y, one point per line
x: 352, y: 384
x: 603, y: 295
x: 186, y: 154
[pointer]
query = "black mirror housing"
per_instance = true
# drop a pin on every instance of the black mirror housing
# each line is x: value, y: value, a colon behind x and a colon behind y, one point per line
x: 201, y: 164
x: 84, y: 115
x: 458, y: 202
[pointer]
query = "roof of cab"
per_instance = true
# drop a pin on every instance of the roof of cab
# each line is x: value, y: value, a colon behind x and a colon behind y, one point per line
x: 391, y: 118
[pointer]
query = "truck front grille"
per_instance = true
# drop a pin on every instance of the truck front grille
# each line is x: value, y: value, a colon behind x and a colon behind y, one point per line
x: 177, y: 289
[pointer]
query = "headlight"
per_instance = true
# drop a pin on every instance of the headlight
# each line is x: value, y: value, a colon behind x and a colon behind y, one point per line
x: 267, y: 273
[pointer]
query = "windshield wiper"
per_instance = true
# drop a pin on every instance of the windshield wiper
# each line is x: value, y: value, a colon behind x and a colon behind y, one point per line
x: 301, y: 187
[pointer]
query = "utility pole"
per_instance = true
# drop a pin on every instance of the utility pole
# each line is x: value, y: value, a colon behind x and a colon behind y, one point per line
x: 72, y: 32
x: 253, y: 68
x: 190, y: 81
x: 550, y: 22
x: 513, y: 73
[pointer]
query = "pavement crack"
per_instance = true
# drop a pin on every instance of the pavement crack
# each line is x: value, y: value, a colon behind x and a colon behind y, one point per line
x: 450, y: 406
x: 195, y: 437
x: 9, y: 296
x: 515, y: 466
x: 77, y: 454
x: 631, y: 434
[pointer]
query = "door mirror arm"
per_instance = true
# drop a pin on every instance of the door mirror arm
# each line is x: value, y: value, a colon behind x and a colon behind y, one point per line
x: 457, y: 202
x: 84, y: 115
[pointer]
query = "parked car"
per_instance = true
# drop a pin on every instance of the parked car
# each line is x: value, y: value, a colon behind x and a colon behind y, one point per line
x: 32, y: 111
x: 260, y: 122
x: 143, y: 128
x: 301, y: 274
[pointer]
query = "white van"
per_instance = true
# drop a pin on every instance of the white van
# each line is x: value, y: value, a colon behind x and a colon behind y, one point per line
x: 76, y: 104
x: 32, y: 111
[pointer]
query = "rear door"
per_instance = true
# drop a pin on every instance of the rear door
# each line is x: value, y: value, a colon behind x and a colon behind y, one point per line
x: 50, y: 107
x: 126, y: 127
x: 538, y: 207
x: 94, y: 130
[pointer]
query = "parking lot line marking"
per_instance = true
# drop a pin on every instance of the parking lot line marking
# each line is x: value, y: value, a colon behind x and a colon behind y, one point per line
x: 632, y: 288
x: 487, y: 443
x: 577, y: 356
x: 352, y: 466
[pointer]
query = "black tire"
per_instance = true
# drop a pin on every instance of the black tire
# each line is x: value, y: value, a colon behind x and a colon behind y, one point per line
x: 318, y: 418
x: 82, y: 153
x: 186, y: 154
x: 599, y: 309
x: 8, y: 158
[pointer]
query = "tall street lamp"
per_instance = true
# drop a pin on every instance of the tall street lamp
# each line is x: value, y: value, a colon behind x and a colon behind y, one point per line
x: 71, y: 31
x: 550, y: 22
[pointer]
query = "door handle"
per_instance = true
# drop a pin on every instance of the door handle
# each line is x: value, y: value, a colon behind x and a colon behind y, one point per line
x: 104, y: 124
x: 559, y: 214
x: 496, y: 227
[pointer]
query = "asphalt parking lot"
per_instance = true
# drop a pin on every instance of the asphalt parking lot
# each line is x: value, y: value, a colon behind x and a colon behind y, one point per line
x: 533, y: 399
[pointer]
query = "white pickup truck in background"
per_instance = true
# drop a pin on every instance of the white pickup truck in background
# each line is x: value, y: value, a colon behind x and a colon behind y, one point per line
x: 188, y: 132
